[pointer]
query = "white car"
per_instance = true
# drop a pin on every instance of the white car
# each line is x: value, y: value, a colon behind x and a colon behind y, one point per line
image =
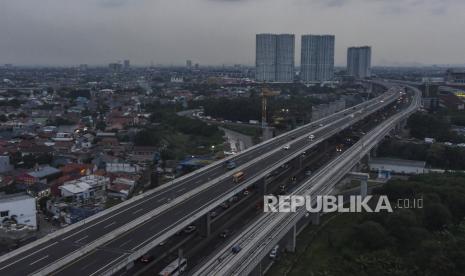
x: 189, y: 229
x: 286, y: 147
x: 274, y: 252
x: 311, y: 137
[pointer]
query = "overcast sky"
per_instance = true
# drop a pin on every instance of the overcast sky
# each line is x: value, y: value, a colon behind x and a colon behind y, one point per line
x: 70, y: 32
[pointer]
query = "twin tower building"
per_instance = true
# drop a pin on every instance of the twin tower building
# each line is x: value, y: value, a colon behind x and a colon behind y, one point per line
x: 275, y: 55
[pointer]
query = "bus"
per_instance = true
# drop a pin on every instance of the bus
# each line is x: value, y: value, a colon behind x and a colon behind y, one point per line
x: 174, y: 268
x: 238, y: 177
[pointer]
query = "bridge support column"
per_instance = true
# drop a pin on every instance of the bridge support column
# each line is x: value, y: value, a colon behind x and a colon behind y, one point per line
x: 363, y: 188
x: 363, y: 178
x: 291, y: 240
x: 315, y: 218
x: 205, y: 226
x: 263, y: 187
x: 129, y: 265
x: 257, y: 270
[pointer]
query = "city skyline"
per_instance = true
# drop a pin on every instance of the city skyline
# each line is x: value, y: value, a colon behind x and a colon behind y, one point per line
x: 216, y: 32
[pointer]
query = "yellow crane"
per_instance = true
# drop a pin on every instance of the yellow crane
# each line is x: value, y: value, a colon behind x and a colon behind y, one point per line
x: 264, y: 94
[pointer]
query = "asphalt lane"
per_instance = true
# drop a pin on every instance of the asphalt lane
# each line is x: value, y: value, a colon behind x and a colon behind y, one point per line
x: 33, y: 259
x: 155, y: 227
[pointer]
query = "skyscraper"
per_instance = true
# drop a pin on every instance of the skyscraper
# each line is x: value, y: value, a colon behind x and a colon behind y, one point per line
x: 359, y: 61
x: 127, y: 64
x: 274, y: 57
x: 285, y: 52
x: 317, y: 58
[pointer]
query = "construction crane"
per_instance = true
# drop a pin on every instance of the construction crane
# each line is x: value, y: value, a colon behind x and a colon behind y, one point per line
x: 264, y: 94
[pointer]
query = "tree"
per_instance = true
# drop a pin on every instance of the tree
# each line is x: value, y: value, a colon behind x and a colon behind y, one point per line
x: 436, y: 216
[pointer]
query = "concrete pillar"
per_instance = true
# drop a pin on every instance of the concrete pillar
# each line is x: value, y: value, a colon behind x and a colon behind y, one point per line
x: 205, y: 226
x: 129, y: 265
x: 363, y: 188
x: 291, y: 240
x: 257, y: 270
x: 263, y: 187
x: 315, y: 218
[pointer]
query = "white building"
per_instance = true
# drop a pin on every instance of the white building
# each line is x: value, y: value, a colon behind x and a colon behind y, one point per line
x: 400, y: 166
x: 317, y: 58
x: 85, y: 188
x: 359, y: 62
x: 20, y: 208
x: 274, y: 57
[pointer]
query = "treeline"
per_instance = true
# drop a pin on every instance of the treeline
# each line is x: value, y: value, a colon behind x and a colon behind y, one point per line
x: 417, y: 241
x: 239, y: 109
x: 152, y: 136
x: 423, y: 125
x: 436, y: 155
x: 299, y: 108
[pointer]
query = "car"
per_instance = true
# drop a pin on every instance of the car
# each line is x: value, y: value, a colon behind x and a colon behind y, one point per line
x: 189, y: 229
x: 246, y: 193
x: 224, y: 205
x: 274, y: 252
x: 382, y: 101
x: 311, y: 137
x: 225, y: 233
x: 286, y: 147
x: 147, y: 258
x: 213, y: 214
x: 162, y: 243
x: 236, y: 248
x: 230, y: 164
x: 233, y: 199
x: 320, y: 125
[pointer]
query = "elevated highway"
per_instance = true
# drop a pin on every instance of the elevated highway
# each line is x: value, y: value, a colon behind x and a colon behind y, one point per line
x: 116, y: 237
x: 260, y: 237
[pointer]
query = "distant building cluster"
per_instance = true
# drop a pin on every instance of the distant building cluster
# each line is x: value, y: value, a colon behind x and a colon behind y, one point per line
x: 275, y: 55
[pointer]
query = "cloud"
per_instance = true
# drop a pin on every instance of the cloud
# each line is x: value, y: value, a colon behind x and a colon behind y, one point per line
x: 223, y: 31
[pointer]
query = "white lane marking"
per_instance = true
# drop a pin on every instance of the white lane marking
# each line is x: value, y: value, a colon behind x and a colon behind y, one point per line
x: 85, y: 237
x: 113, y: 223
x: 27, y: 256
x: 87, y: 265
x: 124, y: 243
x: 115, y: 260
x: 137, y: 211
x: 36, y: 261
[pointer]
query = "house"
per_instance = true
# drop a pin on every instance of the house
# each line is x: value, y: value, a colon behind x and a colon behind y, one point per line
x: 90, y: 187
x: 19, y: 209
x: 40, y: 174
x: 5, y: 165
x: 143, y: 154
